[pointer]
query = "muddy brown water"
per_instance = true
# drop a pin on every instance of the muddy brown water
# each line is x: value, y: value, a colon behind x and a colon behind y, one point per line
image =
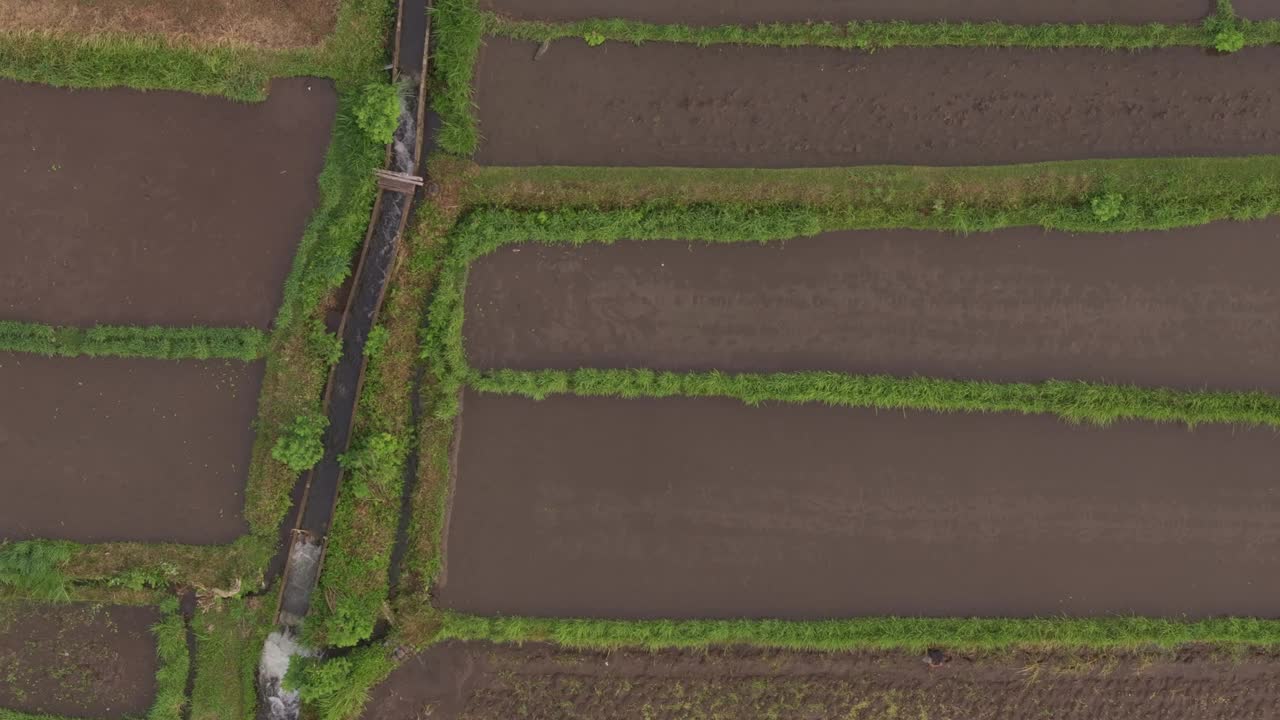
x: 1188, y: 308
x: 133, y: 208
x: 664, y: 104
x: 105, y: 449
x: 693, y: 508
x: 484, y: 681
x: 77, y: 660
x: 747, y: 12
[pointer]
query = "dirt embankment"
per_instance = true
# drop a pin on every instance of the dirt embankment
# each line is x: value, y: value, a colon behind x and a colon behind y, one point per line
x: 697, y: 508
x: 733, y: 106
x: 482, y: 681
x: 1188, y: 308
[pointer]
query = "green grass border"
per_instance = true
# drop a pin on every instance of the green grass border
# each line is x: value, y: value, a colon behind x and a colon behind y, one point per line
x: 461, y: 27
x: 882, y: 633
x: 171, y: 650
x: 485, y: 230
x: 165, y: 343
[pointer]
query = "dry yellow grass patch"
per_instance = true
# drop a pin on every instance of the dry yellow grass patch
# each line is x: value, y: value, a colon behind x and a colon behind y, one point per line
x: 269, y: 24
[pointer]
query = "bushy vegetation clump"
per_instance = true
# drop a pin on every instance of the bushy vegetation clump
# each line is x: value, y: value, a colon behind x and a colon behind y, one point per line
x: 301, y: 445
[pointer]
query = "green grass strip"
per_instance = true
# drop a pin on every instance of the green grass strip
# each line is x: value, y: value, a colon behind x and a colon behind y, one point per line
x: 175, y: 664
x: 229, y: 641
x: 195, y: 343
x: 1073, y: 401
x: 862, y: 35
x: 144, y: 63
x: 1144, y: 193
x: 866, y: 633
x: 458, y: 27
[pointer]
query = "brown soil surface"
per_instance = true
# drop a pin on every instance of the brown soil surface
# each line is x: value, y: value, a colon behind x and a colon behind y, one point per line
x: 483, y: 681
x: 731, y: 106
x: 1257, y: 9
x: 105, y: 449
x: 748, y: 12
x: 166, y: 208
x: 261, y: 23
x: 709, y: 508
x: 1185, y: 308
x: 78, y: 660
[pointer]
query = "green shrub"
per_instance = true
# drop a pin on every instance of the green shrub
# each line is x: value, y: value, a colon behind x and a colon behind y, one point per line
x: 302, y: 444
x: 1228, y: 41
x: 377, y: 340
x: 1107, y: 207
x: 325, y: 345
x: 378, y: 112
x: 338, y: 688
x: 1224, y: 28
x: 594, y: 38
x: 376, y: 461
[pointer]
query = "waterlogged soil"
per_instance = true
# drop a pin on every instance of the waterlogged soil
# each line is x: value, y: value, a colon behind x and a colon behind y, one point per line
x: 131, y: 208
x: 750, y: 12
x: 1188, y: 308
x: 708, y: 508
x: 78, y: 660
x: 666, y: 104
x: 485, y: 681
x: 105, y: 449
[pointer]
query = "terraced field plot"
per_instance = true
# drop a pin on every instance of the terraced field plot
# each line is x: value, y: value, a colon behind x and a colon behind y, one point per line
x: 695, y: 508
x: 667, y: 104
x: 1013, y: 305
x: 101, y: 449
x: 168, y: 208
x: 78, y: 660
x: 483, y: 681
x: 709, y: 12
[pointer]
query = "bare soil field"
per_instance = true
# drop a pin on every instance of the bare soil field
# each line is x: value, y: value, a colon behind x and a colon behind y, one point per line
x: 709, y: 508
x: 483, y: 681
x: 272, y: 24
x: 667, y: 104
x: 77, y: 660
x: 1185, y: 308
x: 106, y: 449
x: 1257, y: 9
x: 750, y: 12
x: 132, y: 208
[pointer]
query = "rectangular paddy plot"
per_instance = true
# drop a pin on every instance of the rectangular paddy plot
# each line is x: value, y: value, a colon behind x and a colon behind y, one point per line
x: 708, y: 508
x: 132, y: 208
x: 732, y: 106
x: 102, y: 450
x: 485, y: 681
x: 750, y: 12
x: 1187, y: 308
x: 77, y: 660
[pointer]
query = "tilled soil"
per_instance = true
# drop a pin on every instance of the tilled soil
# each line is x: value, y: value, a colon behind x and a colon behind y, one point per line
x: 484, y: 681
x: 747, y: 12
x: 733, y: 106
x: 77, y: 660
x: 1188, y: 308
x: 104, y: 449
x: 696, y: 508
x: 1257, y: 9
x: 132, y: 208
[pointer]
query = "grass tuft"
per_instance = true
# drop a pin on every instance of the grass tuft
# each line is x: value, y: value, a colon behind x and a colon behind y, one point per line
x: 35, y: 569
